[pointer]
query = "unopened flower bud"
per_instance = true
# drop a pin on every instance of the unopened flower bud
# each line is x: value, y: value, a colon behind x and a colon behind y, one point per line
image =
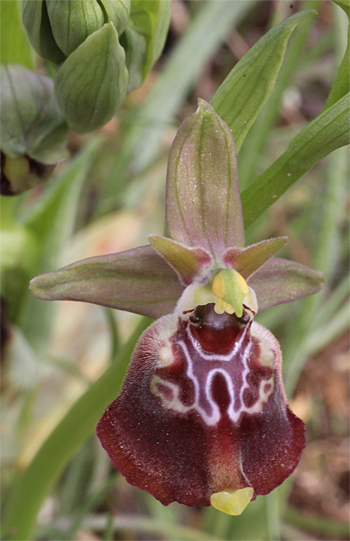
x: 33, y: 130
x: 105, y: 48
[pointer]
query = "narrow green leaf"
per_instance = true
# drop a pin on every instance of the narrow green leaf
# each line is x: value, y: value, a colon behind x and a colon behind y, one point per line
x: 180, y: 73
x: 246, y: 89
x: 151, y: 18
x: 79, y: 423
x: 52, y: 223
x: 91, y: 84
x: 341, y: 84
x: 327, y: 132
x: 14, y: 45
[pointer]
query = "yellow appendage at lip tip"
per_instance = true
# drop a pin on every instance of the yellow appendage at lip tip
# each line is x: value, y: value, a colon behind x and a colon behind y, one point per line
x: 232, y: 502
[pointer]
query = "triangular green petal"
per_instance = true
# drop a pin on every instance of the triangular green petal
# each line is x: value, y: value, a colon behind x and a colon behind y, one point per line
x: 250, y: 259
x: 187, y: 262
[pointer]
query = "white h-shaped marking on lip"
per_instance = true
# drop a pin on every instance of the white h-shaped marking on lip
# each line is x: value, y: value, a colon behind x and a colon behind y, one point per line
x: 175, y: 403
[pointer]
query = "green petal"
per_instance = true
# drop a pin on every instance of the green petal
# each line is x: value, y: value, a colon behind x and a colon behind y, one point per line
x: 135, y: 46
x: 203, y: 205
x: 187, y: 262
x: 37, y: 24
x: 138, y: 281
x: 281, y: 280
x: 250, y: 259
x: 91, y: 84
x: 118, y: 12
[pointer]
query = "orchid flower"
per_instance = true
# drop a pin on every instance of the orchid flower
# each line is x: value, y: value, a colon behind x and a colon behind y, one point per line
x: 202, y: 417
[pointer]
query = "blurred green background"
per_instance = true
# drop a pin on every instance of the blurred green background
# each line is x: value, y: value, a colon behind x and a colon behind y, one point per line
x: 107, y: 198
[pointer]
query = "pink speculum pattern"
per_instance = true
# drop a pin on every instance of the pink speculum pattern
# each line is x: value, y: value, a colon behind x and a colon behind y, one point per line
x: 202, y: 410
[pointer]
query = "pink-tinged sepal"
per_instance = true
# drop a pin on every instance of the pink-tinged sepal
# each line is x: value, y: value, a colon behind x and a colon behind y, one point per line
x: 281, y: 280
x: 203, y: 410
x: 137, y: 280
x: 203, y: 206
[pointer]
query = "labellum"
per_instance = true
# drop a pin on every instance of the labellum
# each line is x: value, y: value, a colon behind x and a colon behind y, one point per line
x: 203, y: 410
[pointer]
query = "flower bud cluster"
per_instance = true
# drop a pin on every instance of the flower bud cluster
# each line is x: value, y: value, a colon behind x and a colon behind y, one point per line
x: 33, y: 131
x: 104, y: 49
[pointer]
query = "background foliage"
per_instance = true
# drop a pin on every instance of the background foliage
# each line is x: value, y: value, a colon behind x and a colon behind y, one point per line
x: 63, y: 364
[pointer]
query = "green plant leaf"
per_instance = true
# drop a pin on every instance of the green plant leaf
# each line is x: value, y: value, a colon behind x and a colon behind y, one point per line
x: 341, y: 84
x: 329, y: 131
x: 78, y: 424
x: 246, y: 89
x: 14, y: 45
x: 180, y: 72
x: 151, y: 18
x: 52, y: 223
x: 91, y: 84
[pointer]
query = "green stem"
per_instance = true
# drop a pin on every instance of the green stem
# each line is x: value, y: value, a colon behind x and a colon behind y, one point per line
x: 74, y: 429
x: 319, y: 526
x: 113, y: 331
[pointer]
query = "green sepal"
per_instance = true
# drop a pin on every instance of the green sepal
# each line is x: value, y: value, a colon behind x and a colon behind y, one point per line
x: 280, y: 281
x: 73, y: 21
x: 135, y: 46
x: 37, y: 24
x: 118, y: 12
x: 92, y: 82
x: 203, y: 205
x: 151, y: 18
x: 31, y: 121
x: 187, y: 262
x: 250, y: 259
x: 137, y: 280
x: 344, y: 4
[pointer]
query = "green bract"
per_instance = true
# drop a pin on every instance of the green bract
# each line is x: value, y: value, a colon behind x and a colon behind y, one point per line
x: 33, y: 130
x: 104, y: 48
